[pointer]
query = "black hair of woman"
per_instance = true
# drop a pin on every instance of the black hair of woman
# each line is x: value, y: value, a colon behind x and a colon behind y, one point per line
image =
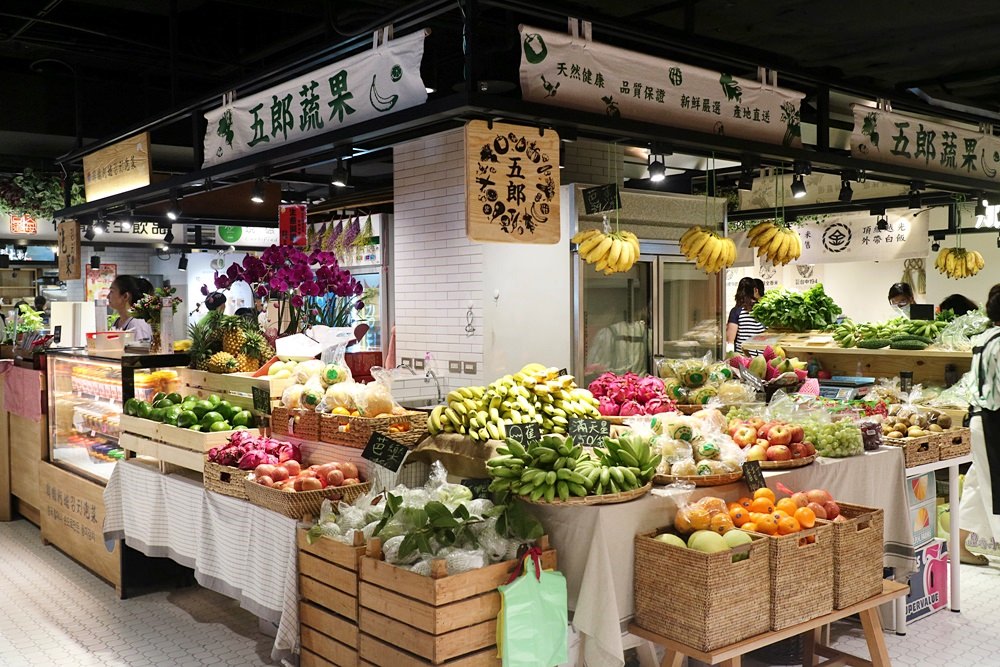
x: 745, y: 293
x: 993, y: 305
x: 760, y: 286
x: 900, y: 291
x: 958, y: 304
x: 215, y: 300
x: 134, y: 287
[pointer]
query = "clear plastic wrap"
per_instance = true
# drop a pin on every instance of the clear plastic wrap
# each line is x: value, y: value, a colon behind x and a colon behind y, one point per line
x: 957, y: 334
x: 375, y: 400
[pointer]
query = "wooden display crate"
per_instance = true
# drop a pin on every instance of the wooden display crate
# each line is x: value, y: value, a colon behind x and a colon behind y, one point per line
x: 237, y: 388
x: 435, y: 620
x: 916, y: 451
x: 328, y: 606
x: 954, y: 442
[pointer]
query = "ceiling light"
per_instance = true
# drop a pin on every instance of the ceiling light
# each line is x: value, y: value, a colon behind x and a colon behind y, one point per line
x: 935, y: 246
x: 101, y: 225
x: 257, y: 196
x: 746, y: 179
x: 980, y: 213
x: 182, y: 263
x: 174, y: 209
x: 798, y: 186
x: 657, y: 171
x: 846, y: 192
x: 340, y: 176
x: 89, y: 234
x: 95, y: 262
x: 428, y: 89
x: 168, y: 238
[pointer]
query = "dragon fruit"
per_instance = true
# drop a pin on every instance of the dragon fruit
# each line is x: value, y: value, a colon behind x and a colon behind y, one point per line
x: 658, y: 404
x: 739, y: 362
x: 650, y: 387
x: 607, y: 407
x: 801, y: 374
x: 769, y: 353
x: 630, y: 409
x: 254, y: 458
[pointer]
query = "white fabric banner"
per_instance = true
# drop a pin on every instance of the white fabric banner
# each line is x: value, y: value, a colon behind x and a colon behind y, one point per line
x: 572, y: 73
x: 357, y: 89
x: 856, y: 238
x: 894, y: 138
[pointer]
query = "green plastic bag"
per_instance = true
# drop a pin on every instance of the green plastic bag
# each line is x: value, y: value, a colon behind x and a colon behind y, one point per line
x: 531, y: 628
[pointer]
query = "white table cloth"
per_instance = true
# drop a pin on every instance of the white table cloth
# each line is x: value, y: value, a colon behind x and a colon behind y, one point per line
x: 235, y: 548
x: 595, y: 543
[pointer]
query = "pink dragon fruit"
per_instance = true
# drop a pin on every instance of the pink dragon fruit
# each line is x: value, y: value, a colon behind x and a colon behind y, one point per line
x: 769, y: 353
x: 630, y: 409
x: 739, y: 362
x: 801, y: 374
x: 607, y: 407
x: 254, y: 458
x: 658, y: 404
x: 771, y: 373
x: 650, y: 387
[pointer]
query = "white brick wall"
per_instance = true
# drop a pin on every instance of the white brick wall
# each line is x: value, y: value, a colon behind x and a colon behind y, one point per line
x: 128, y: 260
x: 587, y: 161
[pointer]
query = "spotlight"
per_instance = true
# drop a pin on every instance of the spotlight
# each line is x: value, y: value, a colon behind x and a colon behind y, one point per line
x: 89, y: 234
x: 748, y: 166
x: 915, y: 199
x: 935, y: 246
x: 980, y: 213
x: 182, y: 263
x: 95, y: 262
x: 101, y: 225
x: 168, y: 238
x: 340, y: 176
x: 257, y: 196
x: 174, y: 210
x: 882, y: 224
x: 798, y: 186
x: 657, y: 171
x: 846, y: 192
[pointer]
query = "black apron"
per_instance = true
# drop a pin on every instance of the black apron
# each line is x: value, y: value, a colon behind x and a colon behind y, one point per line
x: 991, y: 426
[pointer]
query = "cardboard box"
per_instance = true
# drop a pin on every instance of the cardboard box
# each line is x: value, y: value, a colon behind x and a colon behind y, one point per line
x: 923, y: 519
x: 928, y: 586
x: 920, y: 489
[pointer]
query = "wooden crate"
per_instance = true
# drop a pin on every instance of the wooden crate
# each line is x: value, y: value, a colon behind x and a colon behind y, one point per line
x: 237, y: 388
x: 435, y: 620
x: 328, y: 607
x: 167, y: 454
x: 953, y: 443
x: 916, y: 451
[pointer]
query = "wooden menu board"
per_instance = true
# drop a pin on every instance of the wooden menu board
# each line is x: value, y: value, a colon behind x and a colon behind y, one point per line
x: 69, y: 250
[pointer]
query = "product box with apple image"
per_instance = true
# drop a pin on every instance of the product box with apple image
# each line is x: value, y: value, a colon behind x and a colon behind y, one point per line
x: 928, y: 585
x: 920, y: 489
x: 923, y: 519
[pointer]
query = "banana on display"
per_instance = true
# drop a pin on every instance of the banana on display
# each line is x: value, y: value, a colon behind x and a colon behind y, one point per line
x: 609, y: 253
x: 959, y: 263
x: 710, y: 252
x: 779, y: 244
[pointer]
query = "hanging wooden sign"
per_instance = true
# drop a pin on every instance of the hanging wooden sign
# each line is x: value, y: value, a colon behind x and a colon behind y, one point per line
x: 69, y: 250
x: 511, y: 183
x: 118, y: 168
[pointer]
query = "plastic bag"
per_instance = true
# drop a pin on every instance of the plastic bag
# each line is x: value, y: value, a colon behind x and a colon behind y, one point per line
x: 958, y: 333
x: 531, y: 627
x: 376, y: 398
x: 708, y: 513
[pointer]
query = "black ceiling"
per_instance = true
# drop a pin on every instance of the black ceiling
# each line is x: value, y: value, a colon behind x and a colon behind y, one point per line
x: 136, y: 59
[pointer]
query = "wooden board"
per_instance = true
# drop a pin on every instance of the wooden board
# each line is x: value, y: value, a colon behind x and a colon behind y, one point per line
x: 436, y: 648
x: 335, y: 552
x: 332, y: 575
x: 6, y: 504
x: 309, y: 659
x: 117, y: 168
x: 379, y: 654
x: 926, y: 365
x: 328, y: 597
x: 435, y: 620
x: 332, y: 625
x: 28, y: 444
x: 69, y: 250
x: 166, y: 454
x: 182, y: 438
x: 330, y: 649
x: 511, y: 183
x: 72, y: 515
x: 237, y: 388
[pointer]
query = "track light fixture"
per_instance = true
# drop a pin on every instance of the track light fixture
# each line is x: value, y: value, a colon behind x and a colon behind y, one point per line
x: 101, y: 225
x: 657, y: 171
x: 846, y: 192
x: 915, y: 198
x: 174, y: 210
x: 182, y: 263
x: 340, y: 176
x: 168, y: 238
x: 89, y: 234
x: 748, y: 167
x: 802, y: 169
x: 882, y: 224
x: 935, y: 246
x: 126, y: 221
x: 257, y: 196
x: 95, y: 262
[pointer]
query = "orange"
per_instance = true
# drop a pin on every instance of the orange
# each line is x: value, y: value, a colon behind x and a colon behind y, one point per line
x: 745, y: 501
x: 762, y: 505
x: 786, y: 505
x: 699, y: 517
x: 764, y: 493
x: 788, y: 525
x: 721, y: 523
x: 750, y: 527
x: 767, y: 525
x: 682, y: 523
x: 733, y: 506
x: 739, y: 515
x: 806, y: 517
x: 713, y: 504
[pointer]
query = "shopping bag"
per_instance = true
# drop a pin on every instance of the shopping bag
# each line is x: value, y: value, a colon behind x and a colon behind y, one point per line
x: 531, y: 628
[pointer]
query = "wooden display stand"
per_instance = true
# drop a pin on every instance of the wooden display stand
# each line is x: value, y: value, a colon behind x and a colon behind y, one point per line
x: 25, y: 448
x: 731, y: 656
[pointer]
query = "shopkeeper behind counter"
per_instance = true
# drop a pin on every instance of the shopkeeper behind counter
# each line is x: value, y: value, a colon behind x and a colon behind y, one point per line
x: 125, y: 291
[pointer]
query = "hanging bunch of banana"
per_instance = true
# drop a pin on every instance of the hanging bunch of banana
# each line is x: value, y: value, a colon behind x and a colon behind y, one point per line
x: 779, y: 244
x: 710, y: 252
x: 959, y: 263
x: 609, y: 253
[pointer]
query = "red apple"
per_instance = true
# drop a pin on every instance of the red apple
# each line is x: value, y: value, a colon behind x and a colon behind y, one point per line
x: 745, y: 435
x: 818, y: 510
x: 800, y: 499
x: 763, y: 443
x: 820, y: 496
x: 798, y: 451
x: 778, y: 453
x: 756, y: 453
x: 763, y: 430
x: 779, y: 435
x: 810, y: 448
x: 293, y: 467
x: 832, y: 509
x: 734, y: 426
x: 756, y: 422
x: 797, y: 433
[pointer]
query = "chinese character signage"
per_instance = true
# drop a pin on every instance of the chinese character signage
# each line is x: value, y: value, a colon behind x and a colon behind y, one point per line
x: 358, y: 89
x: 292, y: 224
x: 69, y: 250
x: 23, y: 224
x: 573, y: 73
x: 118, y: 168
x: 512, y: 183
x: 893, y: 138
x: 857, y: 238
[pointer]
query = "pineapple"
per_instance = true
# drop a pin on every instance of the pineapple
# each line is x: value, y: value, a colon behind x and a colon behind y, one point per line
x: 234, y: 337
x: 257, y: 346
x: 247, y: 364
x: 222, y: 362
x: 200, y: 346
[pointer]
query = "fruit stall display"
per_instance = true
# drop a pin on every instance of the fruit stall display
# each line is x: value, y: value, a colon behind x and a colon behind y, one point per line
x: 897, y: 334
x: 692, y: 383
x: 227, y: 344
x: 707, y: 249
x: 296, y: 491
x: 696, y: 448
x: 210, y: 415
x: 629, y: 395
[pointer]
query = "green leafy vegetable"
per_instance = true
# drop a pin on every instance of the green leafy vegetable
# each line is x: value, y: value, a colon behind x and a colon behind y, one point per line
x: 782, y: 308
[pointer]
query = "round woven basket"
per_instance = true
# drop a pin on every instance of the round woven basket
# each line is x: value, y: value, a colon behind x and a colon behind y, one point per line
x: 700, y: 480
x: 783, y: 465
x: 605, y: 499
x: 302, y: 503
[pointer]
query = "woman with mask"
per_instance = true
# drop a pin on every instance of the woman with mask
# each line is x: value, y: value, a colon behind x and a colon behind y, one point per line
x: 901, y: 298
x: 979, y: 511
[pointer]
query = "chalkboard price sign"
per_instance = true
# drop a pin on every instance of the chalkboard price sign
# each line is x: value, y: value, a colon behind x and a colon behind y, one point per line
x: 602, y: 198
x: 753, y: 476
x: 524, y: 433
x: 480, y: 488
x: 261, y: 400
x: 384, y: 451
x: 589, y: 432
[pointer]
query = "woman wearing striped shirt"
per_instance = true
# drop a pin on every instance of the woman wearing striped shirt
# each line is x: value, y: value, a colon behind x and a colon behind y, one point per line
x: 741, y: 325
x: 980, y: 508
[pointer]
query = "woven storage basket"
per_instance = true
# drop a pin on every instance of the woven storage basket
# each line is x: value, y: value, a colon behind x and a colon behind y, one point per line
x: 603, y: 499
x: 801, y: 576
x: 406, y: 429
x: 304, y: 423
x: 700, y: 480
x: 916, y: 451
x: 857, y: 554
x: 703, y: 600
x: 227, y: 480
x: 301, y: 503
x: 953, y: 443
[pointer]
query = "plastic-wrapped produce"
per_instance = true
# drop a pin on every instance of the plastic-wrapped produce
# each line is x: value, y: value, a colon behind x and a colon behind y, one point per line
x: 461, y: 560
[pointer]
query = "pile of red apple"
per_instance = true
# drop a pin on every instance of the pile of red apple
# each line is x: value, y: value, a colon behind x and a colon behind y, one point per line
x: 770, y: 440
x: 820, y: 501
x: 291, y: 477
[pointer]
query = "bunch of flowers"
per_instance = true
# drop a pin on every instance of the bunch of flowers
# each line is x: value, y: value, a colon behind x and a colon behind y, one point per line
x: 149, y: 306
x: 292, y: 278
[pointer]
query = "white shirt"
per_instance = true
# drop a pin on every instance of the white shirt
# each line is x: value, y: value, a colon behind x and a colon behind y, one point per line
x: 141, y: 331
x: 990, y: 398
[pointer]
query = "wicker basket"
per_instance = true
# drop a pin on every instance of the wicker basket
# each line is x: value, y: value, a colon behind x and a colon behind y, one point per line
x: 700, y: 480
x: 801, y: 576
x: 954, y: 443
x: 301, y: 503
x: 705, y: 601
x: 916, y: 451
x: 406, y: 429
x: 302, y: 424
x: 603, y: 499
x: 857, y: 554
x: 227, y: 480
x: 784, y: 465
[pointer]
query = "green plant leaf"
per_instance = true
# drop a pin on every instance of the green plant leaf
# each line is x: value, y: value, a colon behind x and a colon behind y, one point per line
x: 408, y: 546
x: 439, y: 516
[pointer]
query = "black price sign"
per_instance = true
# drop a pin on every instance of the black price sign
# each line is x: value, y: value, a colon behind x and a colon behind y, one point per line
x: 589, y: 432
x: 57, y: 334
x: 563, y: 371
x: 602, y: 198
x: 753, y: 476
x: 480, y: 488
x: 261, y: 400
x: 384, y: 451
x: 524, y: 433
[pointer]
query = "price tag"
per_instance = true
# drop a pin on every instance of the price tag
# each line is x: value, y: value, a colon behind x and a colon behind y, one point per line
x: 480, y: 488
x: 753, y: 476
x: 589, y: 432
x: 601, y: 198
x: 57, y: 334
x: 261, y: 400
x: 563, y: 371
x: 384, y: 451
x: 524, y: 433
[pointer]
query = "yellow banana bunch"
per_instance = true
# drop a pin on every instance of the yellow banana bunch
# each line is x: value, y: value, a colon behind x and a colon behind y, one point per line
x: 958, y: 262
x: 609, y: 253
x: 710, y: 252
x: 780, y: 245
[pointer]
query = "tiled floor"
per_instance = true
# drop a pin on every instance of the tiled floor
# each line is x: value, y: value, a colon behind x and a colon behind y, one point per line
x: 53, y: 612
